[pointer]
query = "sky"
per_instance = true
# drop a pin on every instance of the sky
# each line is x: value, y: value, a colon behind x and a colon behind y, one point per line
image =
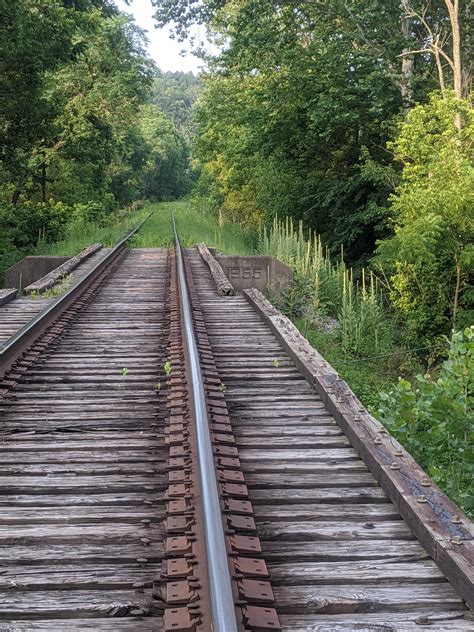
x: 164, y: 50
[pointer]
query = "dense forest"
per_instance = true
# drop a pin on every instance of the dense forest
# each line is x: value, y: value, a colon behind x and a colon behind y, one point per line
x: 82, y: 132
x: 175, y: 93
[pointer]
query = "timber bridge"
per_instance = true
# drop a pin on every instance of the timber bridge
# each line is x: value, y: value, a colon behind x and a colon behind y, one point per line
x: 176, y: 457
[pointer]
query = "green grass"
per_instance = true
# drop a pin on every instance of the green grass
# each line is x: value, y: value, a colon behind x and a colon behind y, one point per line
x: 80, y: 235
x: 193, y: 227
x: 367, y: 378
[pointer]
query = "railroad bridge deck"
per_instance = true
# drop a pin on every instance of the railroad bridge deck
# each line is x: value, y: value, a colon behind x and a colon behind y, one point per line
x: 84, y: 475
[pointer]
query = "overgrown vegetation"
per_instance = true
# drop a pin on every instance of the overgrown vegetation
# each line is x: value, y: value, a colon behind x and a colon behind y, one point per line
x: 194, y: 226
x: 324, y: 293
x: 347, y: 320
x: 80, y: 135
x: 433, y: 418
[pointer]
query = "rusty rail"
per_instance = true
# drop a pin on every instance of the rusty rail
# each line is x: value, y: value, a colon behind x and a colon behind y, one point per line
x: 222, y: 599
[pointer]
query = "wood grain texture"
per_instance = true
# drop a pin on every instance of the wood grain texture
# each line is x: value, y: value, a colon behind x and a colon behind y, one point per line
x: 439, y: 524
x: 223, y: 285
x: 52, y: 278
x: 83, y: 463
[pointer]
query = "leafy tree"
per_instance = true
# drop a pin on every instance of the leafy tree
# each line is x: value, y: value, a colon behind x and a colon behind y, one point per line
x: 165, y: 172
x: 76, y: 133
x: 431, y: 254
x: 175, y: 94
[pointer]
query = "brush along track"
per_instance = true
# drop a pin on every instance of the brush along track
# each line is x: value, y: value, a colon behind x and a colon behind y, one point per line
x: 340, y: 556
x: 82, y: 474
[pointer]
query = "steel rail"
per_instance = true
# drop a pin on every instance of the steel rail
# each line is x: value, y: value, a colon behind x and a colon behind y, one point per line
x: 222, y: 598
x: 24, y: 337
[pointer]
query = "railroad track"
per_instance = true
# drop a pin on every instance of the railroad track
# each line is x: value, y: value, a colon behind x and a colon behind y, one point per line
x: 165, y: 466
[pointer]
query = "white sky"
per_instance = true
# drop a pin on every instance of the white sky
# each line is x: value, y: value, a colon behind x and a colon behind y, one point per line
x: 164, y: 50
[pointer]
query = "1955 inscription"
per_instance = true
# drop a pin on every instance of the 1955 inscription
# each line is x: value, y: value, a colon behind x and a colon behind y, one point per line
x: 244, y: 273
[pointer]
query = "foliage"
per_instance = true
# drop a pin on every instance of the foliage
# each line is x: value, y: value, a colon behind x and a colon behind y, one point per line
x: 297, y: 109
x: 430, y: 255
x: 322, y: 288
x: 194, y: 226
x: 165, y: 171
x: 433, y: 418
x: 302, y: 115
x: 175, y: 94
x: 80, y: 233
x: 79, y: 136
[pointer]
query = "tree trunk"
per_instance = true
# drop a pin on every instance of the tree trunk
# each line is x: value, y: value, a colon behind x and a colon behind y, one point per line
x: 453, y: 10
x: 15, y: 197
x: 408, y: 61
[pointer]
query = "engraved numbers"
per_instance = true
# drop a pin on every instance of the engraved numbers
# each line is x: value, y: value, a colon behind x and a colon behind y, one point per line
x: 244, y: 274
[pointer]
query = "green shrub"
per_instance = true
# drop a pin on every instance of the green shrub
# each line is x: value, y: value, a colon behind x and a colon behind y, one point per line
x: 323, y: 287
x: 430, y: 257
x: 433, y: 418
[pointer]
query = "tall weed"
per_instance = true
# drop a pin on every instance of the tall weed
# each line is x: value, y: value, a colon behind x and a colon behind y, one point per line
x: 328, y: 288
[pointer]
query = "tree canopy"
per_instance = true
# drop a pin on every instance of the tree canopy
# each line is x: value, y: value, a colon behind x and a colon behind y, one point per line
x: 80, y: 127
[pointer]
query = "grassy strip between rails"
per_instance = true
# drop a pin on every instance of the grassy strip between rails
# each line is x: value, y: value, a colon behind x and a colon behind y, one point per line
x: 193, y: 227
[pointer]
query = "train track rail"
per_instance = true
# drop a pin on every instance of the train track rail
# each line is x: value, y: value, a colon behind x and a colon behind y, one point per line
x: 164, y: 465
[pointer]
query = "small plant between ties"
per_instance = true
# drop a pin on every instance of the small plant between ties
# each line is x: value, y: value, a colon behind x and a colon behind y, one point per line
x: 222, y: 387
x: 124, y: 374
x: 167, y: 368
x: 276, y: 363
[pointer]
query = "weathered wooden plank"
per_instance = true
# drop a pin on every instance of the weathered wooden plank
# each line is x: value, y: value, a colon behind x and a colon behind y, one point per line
x: 340, y: 550
x: 94, y: 554
x: 379, y: 622
x: 80, y: 484
x: 117, y: 623
x: 302, y: 480
x: 80, y: 533
x: 315, y: 513
x: 79, y: 577
x: 354, y: 572
x: 50, y: 279
x: 74, y: 603
x: 346, y: 599
x: 223, y: 285
x: 337, y: 530
x: 75, y: 515
x: 437, y: 522
x: 104, y: 498
x: 7, y: 295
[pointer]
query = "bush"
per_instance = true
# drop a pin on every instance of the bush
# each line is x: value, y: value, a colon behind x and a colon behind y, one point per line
x: 430, y: 256
x: 433, y: 419
x: 322, y: 287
